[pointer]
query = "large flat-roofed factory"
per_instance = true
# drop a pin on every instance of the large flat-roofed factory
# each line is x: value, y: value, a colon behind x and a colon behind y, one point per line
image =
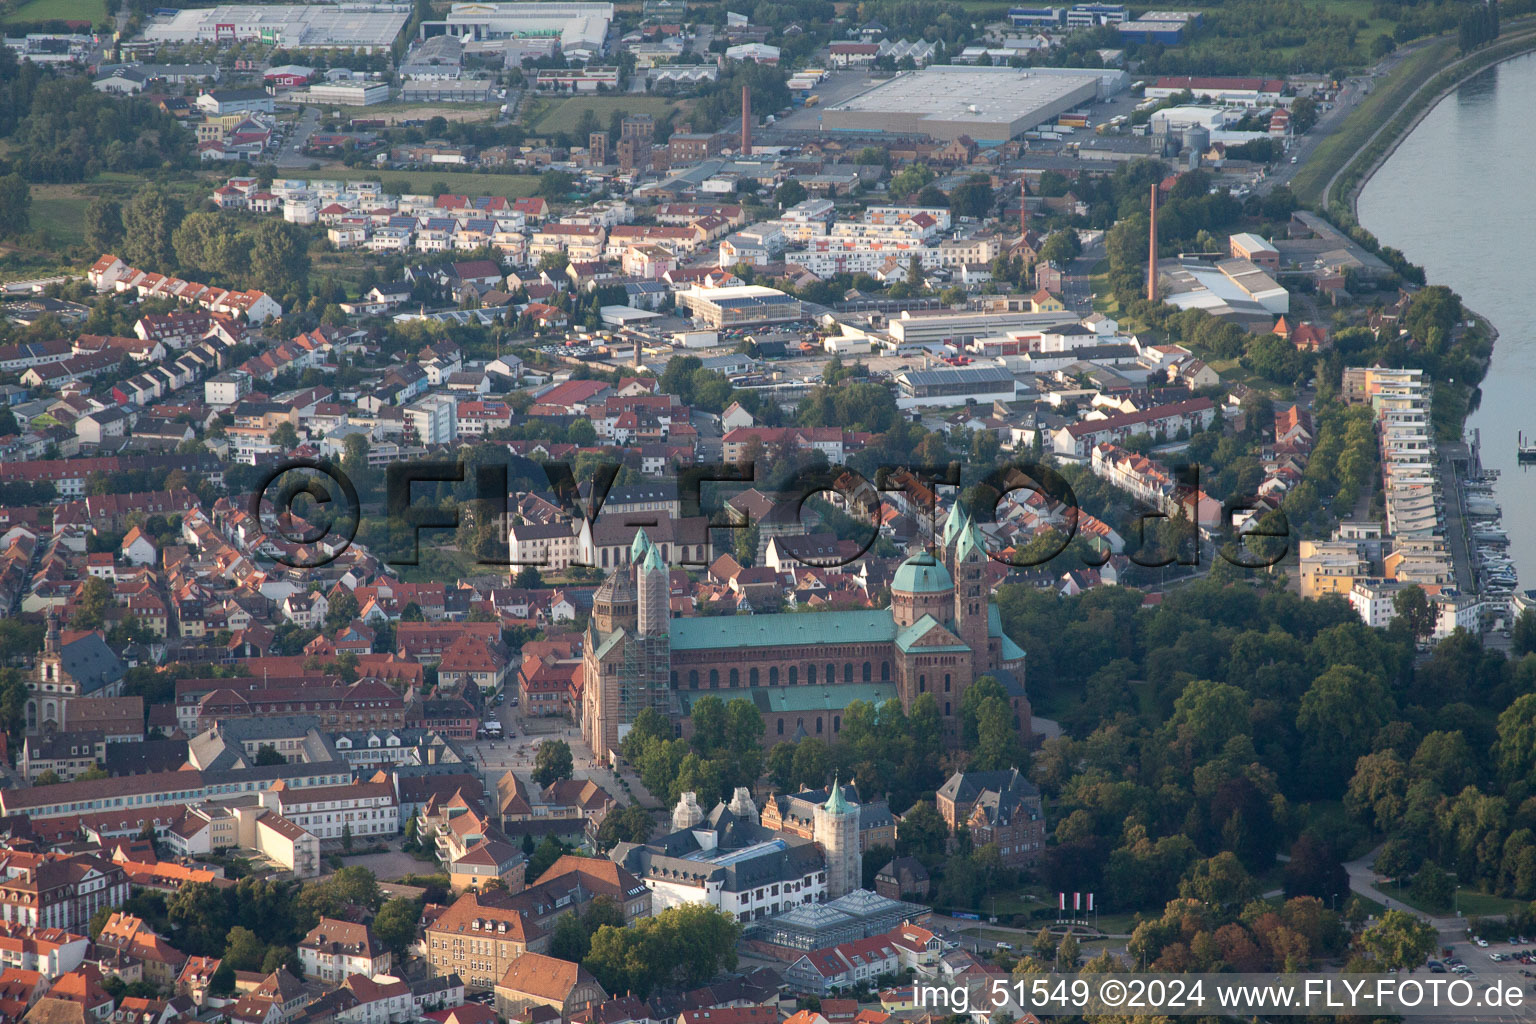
x: 582, y: 28
x: 990, y: 105
x: 321, y: 26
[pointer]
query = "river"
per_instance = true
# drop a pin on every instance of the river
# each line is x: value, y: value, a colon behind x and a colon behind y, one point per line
x: 1457, y: 198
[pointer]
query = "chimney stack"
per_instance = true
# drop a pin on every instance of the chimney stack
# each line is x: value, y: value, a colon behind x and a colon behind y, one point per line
x: 746, y: 120
x: 1152, y: 251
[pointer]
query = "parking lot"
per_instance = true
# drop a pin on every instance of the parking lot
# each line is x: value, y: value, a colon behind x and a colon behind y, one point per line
x: 1477, y: 965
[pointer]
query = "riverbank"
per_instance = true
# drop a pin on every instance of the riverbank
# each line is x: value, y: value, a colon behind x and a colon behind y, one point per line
x: 1343, y: 189
x: 1445, y: 191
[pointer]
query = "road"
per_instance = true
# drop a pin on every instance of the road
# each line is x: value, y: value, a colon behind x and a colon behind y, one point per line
x: 1350, y: 93
x: 292, y: 153
x: 1076, y: 291
x: 517, y: 749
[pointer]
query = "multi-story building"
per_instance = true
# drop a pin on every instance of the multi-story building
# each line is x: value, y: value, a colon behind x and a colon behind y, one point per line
x: 478, y: 937
x: 332, y: 812
x: 54, y: 890
x: 728, y: 861
x: 1001, y: 807
x: 48, y: 951
x: 334, y: 950
x: 796, y: 814
x: 432, y: 419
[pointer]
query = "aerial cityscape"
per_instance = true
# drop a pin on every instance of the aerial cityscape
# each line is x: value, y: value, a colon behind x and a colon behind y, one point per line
x: 811, y: 512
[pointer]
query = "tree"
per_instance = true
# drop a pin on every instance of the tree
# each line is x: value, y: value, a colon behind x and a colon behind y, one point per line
x: 552, y: 762
x: 790, y: 193
x: 923, y: 833
x: 1399, y: 939
x: 340, y: 611
x: 395, y: 924
x: 570, y: 941
x: 209, y: 243
x: 972, y: 198
x: 556, y: 186
x: 546, y: 853
x: 1220, y: 881
x: 1314, y: 870
x: 1523, y: 635
x: 279, y: 258
x: 1339, y: 716
x: 528, y: 577
x: 244, y: 949
x: 1432, y: 887
x: 1044, y: 946
x: 1412, y: 607
x: 103, y: 225
x: 681, y: 947
x: 15, y: 205
x: 285, y: 436
x: 1067, y: 952
x: 628, y: 824
x: 910, y: 179
x: 91, y: 603
x: 267, y: 754
x: 149, y: 224
x: 1061, y: 246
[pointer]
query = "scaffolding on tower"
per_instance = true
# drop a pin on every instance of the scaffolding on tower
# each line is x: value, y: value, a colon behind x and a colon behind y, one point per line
x: 645, y: 680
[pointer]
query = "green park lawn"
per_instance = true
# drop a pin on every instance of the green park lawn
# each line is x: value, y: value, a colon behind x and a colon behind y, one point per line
x: 58, y: 10
x: 565, y: 115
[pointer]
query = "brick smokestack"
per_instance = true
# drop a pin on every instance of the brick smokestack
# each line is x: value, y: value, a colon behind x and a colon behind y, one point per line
x: 746, y: 120
x: 1152, y: 251
x: 1024, y: 205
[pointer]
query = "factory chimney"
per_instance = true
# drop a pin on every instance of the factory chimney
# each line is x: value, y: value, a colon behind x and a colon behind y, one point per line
x: 637, y: 351
x: 1152, y: 251
x: 746, y: 120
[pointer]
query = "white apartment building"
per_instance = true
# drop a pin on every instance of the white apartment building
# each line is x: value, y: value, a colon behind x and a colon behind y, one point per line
x: 433, y: 419
x: 329, y: 812
x: 541, y: 544
x: 1372, y: 601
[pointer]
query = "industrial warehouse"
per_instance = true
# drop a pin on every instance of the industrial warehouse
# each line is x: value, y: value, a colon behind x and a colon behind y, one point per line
x: 987, y: 104
x: 582, y: 28
x: 291, y: 26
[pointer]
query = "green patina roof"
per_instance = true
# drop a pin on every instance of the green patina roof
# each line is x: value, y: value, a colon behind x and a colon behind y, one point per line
x: 1011, y: 650
x: 791, y: 699
x: 970, y: 546
x: 653, y: 561
x: 836, y: 802
x: 954, y: 522
x: 641, y: 544
x: 915, y: 632
x: 608, y: 641
x: 922, y: 574
x: 725, y: 632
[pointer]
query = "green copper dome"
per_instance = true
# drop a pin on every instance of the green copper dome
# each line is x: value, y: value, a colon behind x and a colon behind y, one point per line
x: 922, y: 574
x: 638, y: 549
